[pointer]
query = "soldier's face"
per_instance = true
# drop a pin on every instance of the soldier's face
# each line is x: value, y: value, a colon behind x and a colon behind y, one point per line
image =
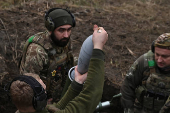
x: 162, y: 57
x: 61, y: 35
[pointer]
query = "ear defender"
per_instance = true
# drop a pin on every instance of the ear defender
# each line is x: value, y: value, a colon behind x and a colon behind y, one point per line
x: 153, y: 47
x: 73, y: 18
x: 39, y: 100
x: 50, y: 25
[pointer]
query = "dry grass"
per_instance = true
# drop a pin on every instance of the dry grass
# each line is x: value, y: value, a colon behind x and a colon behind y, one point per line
x: 131, y: 5
x: 150, y: 11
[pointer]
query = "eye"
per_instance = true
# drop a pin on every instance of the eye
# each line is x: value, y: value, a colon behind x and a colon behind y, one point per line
x: 165, y: 56
x: 61, y: 30
x: 156, y: 54
x: 69, y: 29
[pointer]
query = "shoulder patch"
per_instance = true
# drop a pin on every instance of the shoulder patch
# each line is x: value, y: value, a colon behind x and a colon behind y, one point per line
x: 31, y: 39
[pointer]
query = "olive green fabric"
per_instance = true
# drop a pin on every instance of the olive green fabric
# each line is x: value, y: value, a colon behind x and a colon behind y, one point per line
x: 87, y: 100
x: 71, y: 93
x: 140, y: 92
x: 44, y: 111
x: 156, y: 84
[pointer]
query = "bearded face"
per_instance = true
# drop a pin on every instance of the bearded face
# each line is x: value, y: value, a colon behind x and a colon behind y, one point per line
x: 61, y: 35
x: 59, y: 42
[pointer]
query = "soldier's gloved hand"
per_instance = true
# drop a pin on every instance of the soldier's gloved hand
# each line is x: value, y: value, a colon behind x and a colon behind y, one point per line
x: 80, y: 78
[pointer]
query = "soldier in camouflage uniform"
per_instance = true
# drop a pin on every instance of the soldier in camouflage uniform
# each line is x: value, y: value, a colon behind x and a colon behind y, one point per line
x: 48, y: 53
x: 83, y: 95
x: 146, y: 87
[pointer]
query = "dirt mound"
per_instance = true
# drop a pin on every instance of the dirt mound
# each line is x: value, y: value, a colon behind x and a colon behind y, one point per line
x: 132, y: 26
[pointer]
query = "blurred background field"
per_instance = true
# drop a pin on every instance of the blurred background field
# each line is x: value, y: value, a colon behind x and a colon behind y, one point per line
x: 132, y: 25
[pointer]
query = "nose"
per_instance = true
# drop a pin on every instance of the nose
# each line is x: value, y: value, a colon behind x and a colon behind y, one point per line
x: 66, y: 34
x: 159, y: 59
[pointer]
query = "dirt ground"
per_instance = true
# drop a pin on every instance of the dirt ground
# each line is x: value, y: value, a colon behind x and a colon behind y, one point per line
x: 132, y: 26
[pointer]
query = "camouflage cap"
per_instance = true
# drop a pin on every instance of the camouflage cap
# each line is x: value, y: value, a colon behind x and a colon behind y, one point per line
x: 163, y: 41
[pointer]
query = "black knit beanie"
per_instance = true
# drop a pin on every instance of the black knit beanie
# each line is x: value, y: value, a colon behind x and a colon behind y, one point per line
x: 60, y: 17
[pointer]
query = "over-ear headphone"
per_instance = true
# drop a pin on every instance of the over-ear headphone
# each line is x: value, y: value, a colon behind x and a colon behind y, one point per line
x: 50, y: 25
x: 153, y: 47
x: 40, y: 97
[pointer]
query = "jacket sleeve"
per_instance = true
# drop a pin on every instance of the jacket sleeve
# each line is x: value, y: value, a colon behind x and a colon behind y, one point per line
x: 73, y: 90
x: 91, y: 94
x: 36, y: 58
x: 132, y: 80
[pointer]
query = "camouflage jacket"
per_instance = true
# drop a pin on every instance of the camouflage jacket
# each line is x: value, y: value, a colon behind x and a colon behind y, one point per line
x: 51, y: 62
x: 155, y: 84
x: 85, y: 101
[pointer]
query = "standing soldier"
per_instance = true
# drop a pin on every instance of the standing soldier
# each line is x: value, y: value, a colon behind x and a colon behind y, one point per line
x: 146, y: 88
x: 48, y: 53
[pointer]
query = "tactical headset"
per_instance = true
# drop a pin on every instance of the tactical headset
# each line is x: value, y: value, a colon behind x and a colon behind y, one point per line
x: 50, y: 25
x: 153, y: 47
x: 39, y: 100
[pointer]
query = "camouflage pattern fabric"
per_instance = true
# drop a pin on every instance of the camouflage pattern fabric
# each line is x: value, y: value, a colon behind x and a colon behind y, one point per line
x: 36, y: 57
x: 52, y: 63
x: 157, y: 85
x: 163, y: 41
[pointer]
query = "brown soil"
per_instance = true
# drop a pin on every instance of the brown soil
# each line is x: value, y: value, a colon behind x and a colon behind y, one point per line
x: 132, y: 26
